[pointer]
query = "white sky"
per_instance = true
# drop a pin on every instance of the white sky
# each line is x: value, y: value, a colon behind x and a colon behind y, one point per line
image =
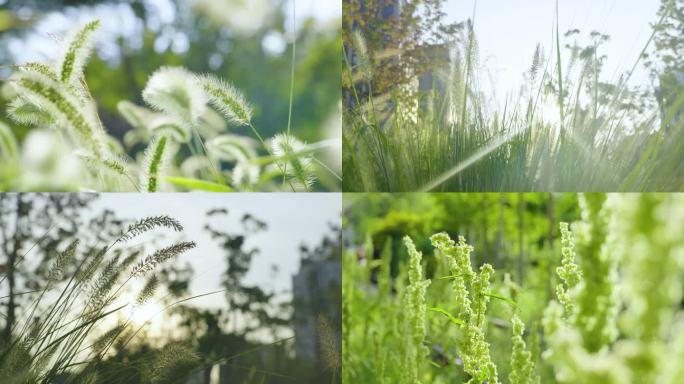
x: 323, y: 10
x: 292, y: 219
x: 508, y: 32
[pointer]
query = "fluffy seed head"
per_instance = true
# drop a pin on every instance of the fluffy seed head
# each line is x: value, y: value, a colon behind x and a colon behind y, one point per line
x: 226, y: 99
x: 103, y: 341
x: 150, y: 262
x: 61, y: 262
x: 231, y: 148
x: 40, y: 68
x: 172, y: 362
x: 62, y: 106
x: 78, y: 48
x: 329, y: 343
x: 245, y: 174
x: 147, y: 292
x: 24, y: 112
x: 149, y: 223
x: 364, y: 65
x: 157, y: 156
x: 117, y: 165
x: 298, y: 167
x: 102, y: 286
x: 170, y: 127
x: 134, y: 115
x: 175, y: 91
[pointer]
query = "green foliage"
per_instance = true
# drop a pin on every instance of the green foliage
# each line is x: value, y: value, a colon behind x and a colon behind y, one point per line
x: 568, y: 272
x: 471, y: 295
x: 155, y: 159
x: 616, y: 317
x: 8, y: 144
x: 415, y: 305
x: 567, y: 129
x: 378, y: 32
x: 522, y: 367
x: 187, y: 112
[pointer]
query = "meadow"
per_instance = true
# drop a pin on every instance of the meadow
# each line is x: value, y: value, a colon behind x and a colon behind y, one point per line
x: 513, y: 288
x: 416, y: 120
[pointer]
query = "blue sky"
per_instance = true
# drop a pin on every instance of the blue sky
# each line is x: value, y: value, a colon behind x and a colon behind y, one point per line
x: 508, y: 32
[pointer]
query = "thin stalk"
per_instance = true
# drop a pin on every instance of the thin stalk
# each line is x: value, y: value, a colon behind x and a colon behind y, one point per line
x: 560, y: 70
x: 292, y: 75
x: 263, y: 143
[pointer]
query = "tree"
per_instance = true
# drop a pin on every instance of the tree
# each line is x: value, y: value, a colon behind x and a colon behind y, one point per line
x: 40, y: 224
x: 221, y: 334
x: 400, y: 35
x: 669, y: 66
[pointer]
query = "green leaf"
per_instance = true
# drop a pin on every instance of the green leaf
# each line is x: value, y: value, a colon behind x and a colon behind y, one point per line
x: 450, y: 276
x: 200, y: 185
x: 502, y: 298
x: 307, y: 150
x: 447, y: 314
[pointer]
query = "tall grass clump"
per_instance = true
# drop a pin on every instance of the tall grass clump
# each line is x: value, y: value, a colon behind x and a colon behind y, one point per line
x: 184, y: 127
x: 567, y: 128
x: 615, y: 316
x: 59, y: 335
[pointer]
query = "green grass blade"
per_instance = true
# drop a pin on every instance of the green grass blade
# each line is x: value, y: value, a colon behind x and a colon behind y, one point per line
x: 199, y: 185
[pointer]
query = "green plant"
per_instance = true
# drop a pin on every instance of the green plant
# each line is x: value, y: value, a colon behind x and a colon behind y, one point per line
x: 583, y: 342
x: 184, y: 130
x: 59, y: 336
x: 567, y: 129
x: 471, y: 295
x: 415, y: 305
x: 616, y: 316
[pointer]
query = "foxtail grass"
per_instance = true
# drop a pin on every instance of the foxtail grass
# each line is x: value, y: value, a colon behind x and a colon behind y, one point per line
x: 56, y: 334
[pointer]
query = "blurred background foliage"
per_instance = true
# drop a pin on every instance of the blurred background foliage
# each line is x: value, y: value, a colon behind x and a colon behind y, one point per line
x: 517, y: 232
x: 245, y: 42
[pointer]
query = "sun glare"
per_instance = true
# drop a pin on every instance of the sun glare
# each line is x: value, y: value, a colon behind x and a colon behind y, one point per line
x: 150, y: 312
x: 550, y: 113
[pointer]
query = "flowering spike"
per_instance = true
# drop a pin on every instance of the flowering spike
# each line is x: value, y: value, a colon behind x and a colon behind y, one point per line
x: 297, y: 166
x: 226, y: 99
x: 79, y: 46
x: 175, y: 91
x: 62, y: 106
